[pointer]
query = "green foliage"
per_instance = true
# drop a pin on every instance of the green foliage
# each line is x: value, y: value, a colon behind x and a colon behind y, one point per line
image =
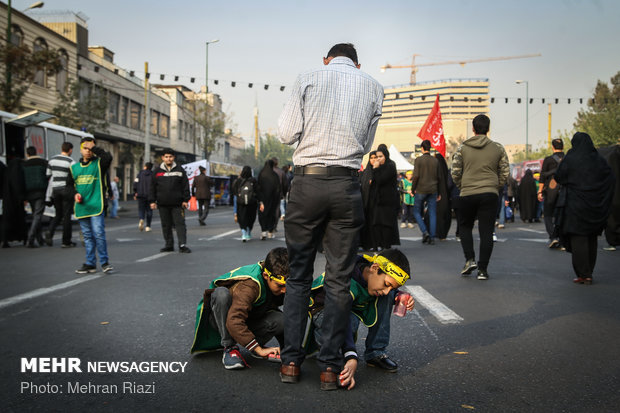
x: 213, y: 123
x: 602, y: 118
x: 18, y: 68
x: 270, y: 147
x: 84, y: 106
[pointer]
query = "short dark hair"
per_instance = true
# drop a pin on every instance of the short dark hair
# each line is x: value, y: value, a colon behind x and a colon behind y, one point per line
x: 343, y: 49
x: 398, y: 258
x: 276, y: 262
x: 481, y: 124
x: 557, y: 143
x: 168, y: 151
x: 426, y: 145
x: 87, y: 139
x: 31, y: 151
x: 202, y: 168
x: 149, y: 165
x: 66, y: 146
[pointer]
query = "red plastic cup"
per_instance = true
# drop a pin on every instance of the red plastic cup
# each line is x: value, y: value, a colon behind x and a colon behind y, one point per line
x: 400, y: 308
x: 79, y: 198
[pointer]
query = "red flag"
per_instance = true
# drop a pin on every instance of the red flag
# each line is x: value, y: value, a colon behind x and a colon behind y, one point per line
x: 433, y: 129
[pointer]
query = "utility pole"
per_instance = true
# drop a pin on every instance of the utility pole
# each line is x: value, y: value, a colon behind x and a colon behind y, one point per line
x: 256, y: 137
x: 147, y: 115
x: 549, y: 127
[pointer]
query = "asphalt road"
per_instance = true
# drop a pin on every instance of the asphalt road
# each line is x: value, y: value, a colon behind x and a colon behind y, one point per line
x: 527, y: 340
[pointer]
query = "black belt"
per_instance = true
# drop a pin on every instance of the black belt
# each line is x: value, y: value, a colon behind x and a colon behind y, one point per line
x: 326, y: 171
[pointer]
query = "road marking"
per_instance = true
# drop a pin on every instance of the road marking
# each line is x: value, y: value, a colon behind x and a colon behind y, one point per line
x: 128, y: 239
x: 154, y: 257
x: 411, y: 238
x: 542, y: 241
x: 423, y: 322
x: 42, y: 291
x: 532, y: 230
x: 225, y: 234
x: 436, y: 307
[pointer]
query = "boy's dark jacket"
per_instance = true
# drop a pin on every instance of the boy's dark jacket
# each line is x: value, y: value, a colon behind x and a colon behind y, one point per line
x: 169, y: 187
x: 251, y: 297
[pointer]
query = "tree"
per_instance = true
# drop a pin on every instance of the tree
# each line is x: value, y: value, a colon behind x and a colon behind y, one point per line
x: 270, y: 147
x: 213, y: 123
x: 83, y: 107
x: 19, y: 67
x: 602, y: 118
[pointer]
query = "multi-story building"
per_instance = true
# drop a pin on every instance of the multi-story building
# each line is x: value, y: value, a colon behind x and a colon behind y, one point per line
x: 406, y: 108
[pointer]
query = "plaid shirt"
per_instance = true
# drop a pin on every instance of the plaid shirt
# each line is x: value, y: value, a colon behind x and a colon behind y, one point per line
x: 332, y: 114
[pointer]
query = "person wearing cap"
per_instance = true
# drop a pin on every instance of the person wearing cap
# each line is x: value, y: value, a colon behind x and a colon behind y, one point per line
x: 241, y: 308
x: 374, y: 285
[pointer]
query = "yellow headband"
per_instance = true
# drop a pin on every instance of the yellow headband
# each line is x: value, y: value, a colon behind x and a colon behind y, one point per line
x: 389, y: 268
x: 278, y: 279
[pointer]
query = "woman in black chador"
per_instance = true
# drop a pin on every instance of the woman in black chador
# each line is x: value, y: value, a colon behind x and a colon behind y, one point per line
x: 245, y: 215
x: 384, y: 202
x: 269, y: 199
x: 444, y: 208
x: 527, y: 197
x: 585, y: 202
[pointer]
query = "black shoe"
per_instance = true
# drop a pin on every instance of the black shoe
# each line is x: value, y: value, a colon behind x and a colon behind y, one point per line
x: 483, y: 274
x: 107, y: 267
x: 431, y: 241
x: 69, y: 245
x: 469, y: 266
x: 184, y: 250
x: 383, y: 362
x: 32, y: 245
x: 48, y: 239
x: 167, y: 249
x: 86, y: 269
x: 425, y: 237
x: 202, y: 223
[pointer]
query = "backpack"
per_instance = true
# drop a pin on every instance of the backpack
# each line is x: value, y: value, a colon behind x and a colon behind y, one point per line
x: 245, y: 195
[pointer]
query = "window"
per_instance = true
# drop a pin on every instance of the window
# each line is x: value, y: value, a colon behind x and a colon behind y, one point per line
x: 85, y: 87
x: 75, y: 140
x: 35, y: 136
x: 136, y: 115
x: 180, y: 131
x: 17, y: 36
x: 113, y: 102
x: 61, y: 76
x: 124, y: 108
x: 39, y: 77
x: 164, y: 125
x: 154, y: 122
x: 54, y: 141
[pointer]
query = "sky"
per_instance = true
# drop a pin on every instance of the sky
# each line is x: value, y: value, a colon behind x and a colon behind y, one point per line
x: 270, y: 42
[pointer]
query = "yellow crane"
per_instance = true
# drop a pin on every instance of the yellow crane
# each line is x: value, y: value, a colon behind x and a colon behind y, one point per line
x: 414, y: 67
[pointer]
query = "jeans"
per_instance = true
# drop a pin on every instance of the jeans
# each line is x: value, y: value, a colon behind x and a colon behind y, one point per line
x: 93, y: 229
x: 418, y: 207
x: 327, y: 209
x: 283, y: 207
x: 144, y: 211
x: 264, y: 329
x: 378, y: 337
x: 63, y: 204
x: 408, y: 214
x: 483, y: 206
x: 502, y: 211
x: 114, y: 208
x: 37, y: 204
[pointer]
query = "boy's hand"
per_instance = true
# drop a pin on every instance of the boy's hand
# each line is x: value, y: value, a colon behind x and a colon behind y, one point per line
x: 265, y: 352
x: 347, y: 374
x: 410, y: 303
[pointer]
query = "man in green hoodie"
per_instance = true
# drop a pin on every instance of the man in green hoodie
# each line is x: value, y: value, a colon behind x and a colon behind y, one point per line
x: 479, y: 169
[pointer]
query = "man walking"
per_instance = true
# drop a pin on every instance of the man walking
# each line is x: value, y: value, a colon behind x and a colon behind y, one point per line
x: 332, y: 116
x: 58, y: 169
x: 479, y: 169
x: 114, y: 198
x: 88, y: 179
x: 170, y: 194
x: 548, y: 188
x: 201, y: 189
x: 141, y: 191
x: 425, y: 186
x: 36, y: 185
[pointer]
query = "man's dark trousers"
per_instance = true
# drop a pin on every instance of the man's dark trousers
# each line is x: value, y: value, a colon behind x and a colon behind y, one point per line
x: 63, y: 204
x: 483, y: 206
x: 325, y: 209
x: 203, y: 209
x: 170, y: 215
x: 551, y: 197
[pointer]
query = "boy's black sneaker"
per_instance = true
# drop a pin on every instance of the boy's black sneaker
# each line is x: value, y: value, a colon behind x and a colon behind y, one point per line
x: 86, y: 269
x: 107, y: 267
x: 167, y: 249
x: 184, y: 250
x: 469, y: 266
x: 383, y: 362
x: 483, y: 274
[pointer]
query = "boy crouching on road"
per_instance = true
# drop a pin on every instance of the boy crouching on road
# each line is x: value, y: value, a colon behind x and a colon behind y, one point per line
x: 374, y: 286
x: 241, y: 307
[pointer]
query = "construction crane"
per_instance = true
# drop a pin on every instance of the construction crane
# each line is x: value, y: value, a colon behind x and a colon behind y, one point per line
x: 414, y: 67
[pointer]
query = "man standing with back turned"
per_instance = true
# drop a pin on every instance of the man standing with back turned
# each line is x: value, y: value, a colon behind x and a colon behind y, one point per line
x: 332, y: 115
x: 479, y: 169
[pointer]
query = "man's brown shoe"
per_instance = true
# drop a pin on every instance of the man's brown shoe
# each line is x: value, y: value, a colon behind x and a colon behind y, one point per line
x: 289, y: 374
x: 329, y: 380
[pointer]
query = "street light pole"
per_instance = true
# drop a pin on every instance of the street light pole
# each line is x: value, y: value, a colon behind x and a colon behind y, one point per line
x: 527, y: 118
x: 207, y: 67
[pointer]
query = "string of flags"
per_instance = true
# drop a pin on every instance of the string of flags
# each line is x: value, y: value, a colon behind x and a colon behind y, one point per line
x: 233, y: 83
x: 480, y: 99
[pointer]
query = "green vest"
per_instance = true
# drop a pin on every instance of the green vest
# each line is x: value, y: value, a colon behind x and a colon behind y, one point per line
x: 89, y: 184
x: 406, y: 185
x: 207, y: 337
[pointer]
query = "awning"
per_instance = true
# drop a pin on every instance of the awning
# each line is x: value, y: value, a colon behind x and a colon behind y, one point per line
x: 33, y: 117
